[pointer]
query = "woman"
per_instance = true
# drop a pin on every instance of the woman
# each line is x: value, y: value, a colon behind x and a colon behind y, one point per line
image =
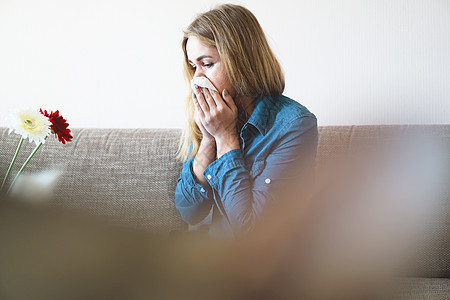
x: 247, y: 144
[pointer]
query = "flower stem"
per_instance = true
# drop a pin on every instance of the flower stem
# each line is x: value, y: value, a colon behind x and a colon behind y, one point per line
x: 23, y: 166
x: 11, y: 164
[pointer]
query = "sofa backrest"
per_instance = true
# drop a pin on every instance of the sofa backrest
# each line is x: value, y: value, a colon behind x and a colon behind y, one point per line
x: 131, y: 174
x: 434, y: 257
x: 127, y: 174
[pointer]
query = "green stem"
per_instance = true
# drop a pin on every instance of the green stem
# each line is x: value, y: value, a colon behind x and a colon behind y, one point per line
x: 24, y: 165
x: 11, y: 164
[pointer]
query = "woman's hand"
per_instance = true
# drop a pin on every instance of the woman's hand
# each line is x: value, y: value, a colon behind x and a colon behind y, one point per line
x: 207, y: 151
x: 206, y: 135
x: 218, y: 117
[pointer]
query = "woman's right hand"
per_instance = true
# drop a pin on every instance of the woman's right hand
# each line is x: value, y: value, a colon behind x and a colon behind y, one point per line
x: 206, y: 135
x: 207, y: 151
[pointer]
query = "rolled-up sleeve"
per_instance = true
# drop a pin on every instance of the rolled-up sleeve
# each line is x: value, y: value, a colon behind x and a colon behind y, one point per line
x: 244, y: 196
x: 192, y: 200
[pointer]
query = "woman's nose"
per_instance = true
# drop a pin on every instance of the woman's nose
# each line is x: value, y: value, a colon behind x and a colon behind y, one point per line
x: 198, y: 73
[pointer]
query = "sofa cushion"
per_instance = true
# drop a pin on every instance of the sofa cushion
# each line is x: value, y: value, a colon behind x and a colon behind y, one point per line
x: 422, y: 288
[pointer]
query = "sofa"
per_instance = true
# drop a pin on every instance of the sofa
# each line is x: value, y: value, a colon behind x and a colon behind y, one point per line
x: 130, y: 175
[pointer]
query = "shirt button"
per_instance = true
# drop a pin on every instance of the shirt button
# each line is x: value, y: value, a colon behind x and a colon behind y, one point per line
x: 267, y: 180
x: 209, y: 176
x: 202, y: 190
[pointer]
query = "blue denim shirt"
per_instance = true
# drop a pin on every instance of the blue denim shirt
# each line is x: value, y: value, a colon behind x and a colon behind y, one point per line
x: 278, y: 142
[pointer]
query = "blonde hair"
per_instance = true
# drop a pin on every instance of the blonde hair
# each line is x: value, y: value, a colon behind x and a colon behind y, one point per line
x: 251, y: 66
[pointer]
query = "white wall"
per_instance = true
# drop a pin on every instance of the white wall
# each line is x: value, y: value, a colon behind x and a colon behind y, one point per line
x: 117, y: 63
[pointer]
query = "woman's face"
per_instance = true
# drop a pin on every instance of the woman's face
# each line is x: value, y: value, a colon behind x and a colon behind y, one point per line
x: 206, y: 62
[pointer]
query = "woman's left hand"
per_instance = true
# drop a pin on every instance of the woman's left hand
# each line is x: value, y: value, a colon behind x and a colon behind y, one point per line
x: 218, y: 115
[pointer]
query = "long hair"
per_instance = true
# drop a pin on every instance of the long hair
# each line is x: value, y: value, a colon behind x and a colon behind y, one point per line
x: 250, y: 64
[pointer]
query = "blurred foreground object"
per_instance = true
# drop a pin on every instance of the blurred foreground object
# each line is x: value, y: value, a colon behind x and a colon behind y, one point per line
x: 373, y: 215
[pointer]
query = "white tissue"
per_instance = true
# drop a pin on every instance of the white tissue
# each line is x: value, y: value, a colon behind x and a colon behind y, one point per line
x: 202, y: 82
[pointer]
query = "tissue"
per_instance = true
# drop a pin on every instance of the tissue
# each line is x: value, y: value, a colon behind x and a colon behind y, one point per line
x: 202, y: 82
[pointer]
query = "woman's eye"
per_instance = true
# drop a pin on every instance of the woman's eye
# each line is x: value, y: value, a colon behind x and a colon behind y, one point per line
x: 204, y: 66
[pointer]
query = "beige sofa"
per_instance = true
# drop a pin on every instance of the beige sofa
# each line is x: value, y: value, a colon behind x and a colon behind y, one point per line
x: 131, y: 174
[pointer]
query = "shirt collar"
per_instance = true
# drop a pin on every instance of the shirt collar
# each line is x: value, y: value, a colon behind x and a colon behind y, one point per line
x: 261, y: 116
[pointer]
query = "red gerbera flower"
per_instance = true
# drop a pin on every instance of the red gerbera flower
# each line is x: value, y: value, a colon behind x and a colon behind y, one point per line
x: 59, y: 126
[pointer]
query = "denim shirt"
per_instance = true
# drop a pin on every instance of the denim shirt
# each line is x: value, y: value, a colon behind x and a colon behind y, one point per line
x: 278, y: 142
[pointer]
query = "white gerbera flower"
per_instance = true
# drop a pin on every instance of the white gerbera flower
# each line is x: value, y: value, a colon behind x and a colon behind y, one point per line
x: 30, y: 124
